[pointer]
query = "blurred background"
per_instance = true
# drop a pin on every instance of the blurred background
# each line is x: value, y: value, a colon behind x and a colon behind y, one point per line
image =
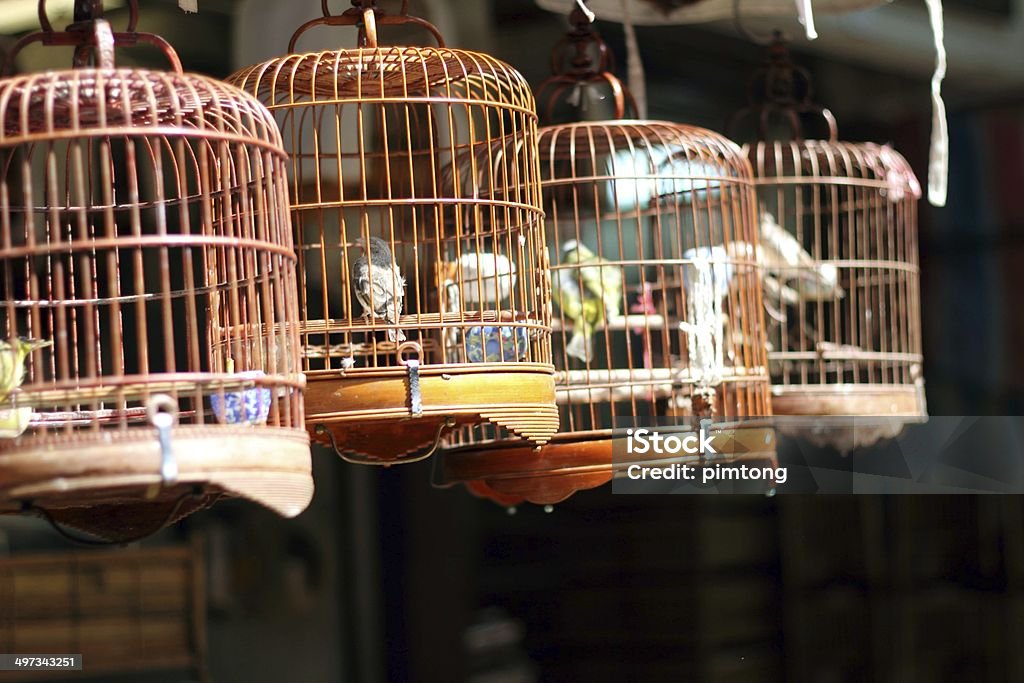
x: 386, y: 578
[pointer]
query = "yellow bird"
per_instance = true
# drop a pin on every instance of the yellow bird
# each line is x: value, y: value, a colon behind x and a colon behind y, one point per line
x: 14, y: 421
x: 12, y: 362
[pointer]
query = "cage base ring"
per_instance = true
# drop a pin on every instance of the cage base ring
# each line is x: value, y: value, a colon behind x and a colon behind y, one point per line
x: 850, y: 399
x: 370, y: 415
x: 270, y: 466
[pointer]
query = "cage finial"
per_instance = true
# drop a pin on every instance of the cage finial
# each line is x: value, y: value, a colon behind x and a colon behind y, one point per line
x: 581, y: 60
x: 781, y: 88
x: 90, y: 32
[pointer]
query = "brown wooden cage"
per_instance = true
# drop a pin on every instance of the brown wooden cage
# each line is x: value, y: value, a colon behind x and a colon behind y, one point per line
x: 145, y: 238
x: 657, y: 303
x: 838, y: 228
x: 432, y: 150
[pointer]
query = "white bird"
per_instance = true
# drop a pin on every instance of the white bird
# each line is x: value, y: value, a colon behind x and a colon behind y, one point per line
x: 781, y: 255
x: 645, y: 174
x: 492, y: 274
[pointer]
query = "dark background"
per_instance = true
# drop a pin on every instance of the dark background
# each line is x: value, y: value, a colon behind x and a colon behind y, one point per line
x: 388, y: 578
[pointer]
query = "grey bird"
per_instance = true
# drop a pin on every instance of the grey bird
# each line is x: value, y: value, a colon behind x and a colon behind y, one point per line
x: 380, y: 286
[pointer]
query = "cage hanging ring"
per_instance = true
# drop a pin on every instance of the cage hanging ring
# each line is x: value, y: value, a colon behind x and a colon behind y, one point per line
x: 368, y: 29
x: 413, y: 349
x: 161, y: 403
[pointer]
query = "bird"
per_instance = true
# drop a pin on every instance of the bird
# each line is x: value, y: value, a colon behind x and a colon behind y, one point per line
x: 379, y: 284
x: 14, y: 421
x: 599, y: 300
x: 651, y: 173
x: 495, y: 272
x: 12, y: 362
x: 782, y: 256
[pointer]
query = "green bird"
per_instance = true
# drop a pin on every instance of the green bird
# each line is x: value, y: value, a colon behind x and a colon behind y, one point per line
x: 12, y: 362
x: 14, y: 421
x: 599, y: 301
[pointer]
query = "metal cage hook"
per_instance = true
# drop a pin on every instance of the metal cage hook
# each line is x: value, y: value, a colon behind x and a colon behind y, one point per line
x: 162, y: 413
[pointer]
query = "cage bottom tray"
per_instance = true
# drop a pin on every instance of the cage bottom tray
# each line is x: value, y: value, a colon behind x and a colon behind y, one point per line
x: 509, y: 473
x: 108, y: 481
x: 367, y: 413
x: 880, y: 412
x: 868, y: 400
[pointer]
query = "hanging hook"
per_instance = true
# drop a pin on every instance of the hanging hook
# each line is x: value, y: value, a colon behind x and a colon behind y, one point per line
x: 357, y: 459
x: 409, y: 354
x: 162, y: 411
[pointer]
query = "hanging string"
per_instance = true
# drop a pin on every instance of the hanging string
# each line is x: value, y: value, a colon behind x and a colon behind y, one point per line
x: 634, y: 65
x: 805, y: 14
x: 586, y: 10
x: 938, y: 156
x: 705, y: 330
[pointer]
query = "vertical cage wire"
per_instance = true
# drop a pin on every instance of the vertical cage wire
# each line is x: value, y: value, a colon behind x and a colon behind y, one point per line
x: 434, y: 151
x: 838, y: 228
x: 657, y: 308
x: 145, y: 238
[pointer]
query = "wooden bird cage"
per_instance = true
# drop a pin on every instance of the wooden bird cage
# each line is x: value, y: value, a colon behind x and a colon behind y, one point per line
x: 653, y: 223
x: 838, y: 224
x: 434, y: 151
x: 144, y: 233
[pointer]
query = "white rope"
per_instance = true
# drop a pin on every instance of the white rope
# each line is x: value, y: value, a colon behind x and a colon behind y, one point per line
x: 705, y: 332
x: 805, y: 14
x: 938, y: 157
x: 634, y: 65
x: 586, y: 10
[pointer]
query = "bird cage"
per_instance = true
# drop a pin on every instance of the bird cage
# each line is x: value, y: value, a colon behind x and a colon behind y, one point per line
x: 838, y: 232
x: 656, y: 297
x: 416, y: 208
x: 149, y: 294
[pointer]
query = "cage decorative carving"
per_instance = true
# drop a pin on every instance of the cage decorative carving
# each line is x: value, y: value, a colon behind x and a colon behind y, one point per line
x: 146, y: 248
x: 838, y: 224
x: 416, y: 208
x: 656, y: 288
